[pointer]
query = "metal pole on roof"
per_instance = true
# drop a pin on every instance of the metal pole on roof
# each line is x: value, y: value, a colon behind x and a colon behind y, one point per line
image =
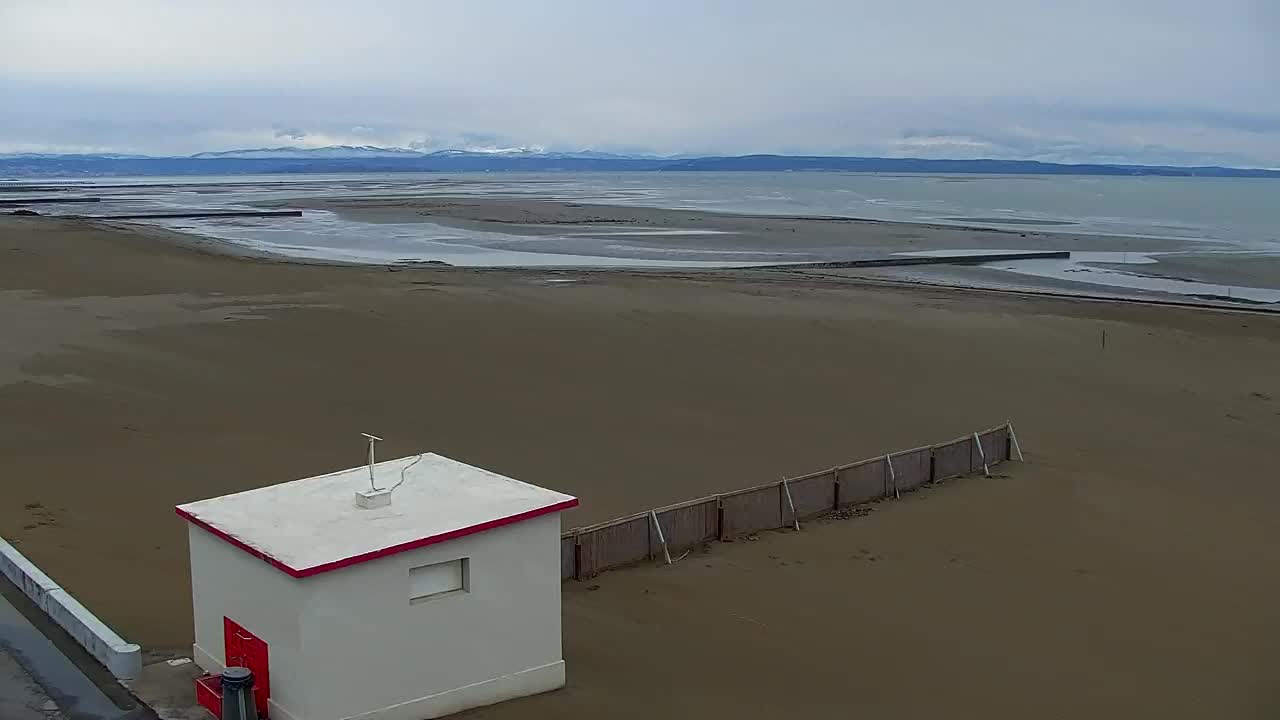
x: 372, y: 439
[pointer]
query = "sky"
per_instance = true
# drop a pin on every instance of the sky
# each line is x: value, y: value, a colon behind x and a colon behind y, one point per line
x: 1180, y: 82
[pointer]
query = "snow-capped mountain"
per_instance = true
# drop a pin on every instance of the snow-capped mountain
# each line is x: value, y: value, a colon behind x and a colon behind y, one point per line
x: 330, y: 152
x: 336, y: 152
x: 486, y: 151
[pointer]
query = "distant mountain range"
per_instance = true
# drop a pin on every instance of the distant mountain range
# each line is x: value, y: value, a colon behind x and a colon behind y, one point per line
x: 325, y: 153
x: 367, y: 158
x: 356, y: 152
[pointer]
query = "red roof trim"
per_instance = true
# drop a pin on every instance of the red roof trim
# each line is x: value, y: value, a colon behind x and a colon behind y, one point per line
x: 381, y: 552
x: 218, y: 533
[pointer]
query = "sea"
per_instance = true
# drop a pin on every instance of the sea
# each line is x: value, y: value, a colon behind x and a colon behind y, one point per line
x: 1215, y: 215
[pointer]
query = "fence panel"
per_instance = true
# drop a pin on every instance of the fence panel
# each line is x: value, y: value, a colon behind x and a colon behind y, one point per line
x: 617, y: 543
x: 689, y: 524
x: 751, y: 510
x: 568, y: 567
x: 863, y: 482
x: 587, y: 551
x: 812, y: 495
x: 994, y: 444
x: 911, y: 468
x: 952, y: 459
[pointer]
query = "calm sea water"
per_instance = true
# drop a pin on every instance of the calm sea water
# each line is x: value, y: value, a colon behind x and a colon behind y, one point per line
x: 1245, y: 212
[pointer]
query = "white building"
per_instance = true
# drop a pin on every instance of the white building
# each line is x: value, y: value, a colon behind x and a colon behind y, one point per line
x: 444, y: 599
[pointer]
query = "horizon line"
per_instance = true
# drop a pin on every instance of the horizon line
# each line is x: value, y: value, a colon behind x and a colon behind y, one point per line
x: 617, y: 155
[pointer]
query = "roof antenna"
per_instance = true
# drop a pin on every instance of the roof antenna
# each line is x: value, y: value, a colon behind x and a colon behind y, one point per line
x: 372, y: 439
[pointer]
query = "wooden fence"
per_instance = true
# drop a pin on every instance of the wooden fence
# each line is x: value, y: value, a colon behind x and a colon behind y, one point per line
x: 589, y: 550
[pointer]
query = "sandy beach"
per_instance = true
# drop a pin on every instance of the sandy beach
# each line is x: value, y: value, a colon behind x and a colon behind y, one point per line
x: 1125, y: 570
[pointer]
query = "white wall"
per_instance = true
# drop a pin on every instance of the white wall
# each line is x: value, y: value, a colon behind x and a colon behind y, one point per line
x: 227, y: 581
x: 366, y: 648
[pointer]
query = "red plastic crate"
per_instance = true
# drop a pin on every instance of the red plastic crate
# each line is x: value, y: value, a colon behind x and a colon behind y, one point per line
x: 209, y: 694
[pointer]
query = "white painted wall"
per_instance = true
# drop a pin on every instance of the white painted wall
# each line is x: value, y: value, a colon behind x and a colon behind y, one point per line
x: 367, y: 649
x: 347, y: 643
x: 227, y: 581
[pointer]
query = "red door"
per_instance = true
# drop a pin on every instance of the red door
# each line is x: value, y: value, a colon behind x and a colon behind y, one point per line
x: 243, y: 648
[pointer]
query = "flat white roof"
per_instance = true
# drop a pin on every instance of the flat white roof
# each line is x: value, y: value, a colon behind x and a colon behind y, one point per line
x: 309, y: 526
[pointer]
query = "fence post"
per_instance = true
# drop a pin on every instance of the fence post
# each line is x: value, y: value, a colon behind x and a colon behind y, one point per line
x: 658, y: 526
x: 835, y: 494
x: 720, y: 518
x: 933, y: 464
x: 574, y: 557
x: 1014, y: 438
x: 893, y: 476
x: 982, y: 454
x: 577, y: 556
x: 786, y: 491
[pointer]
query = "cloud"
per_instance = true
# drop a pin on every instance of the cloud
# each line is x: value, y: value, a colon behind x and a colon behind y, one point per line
x: 291, y: 133
x: 1082, y: 80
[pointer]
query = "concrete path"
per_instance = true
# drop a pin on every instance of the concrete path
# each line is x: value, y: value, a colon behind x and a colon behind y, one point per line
x: 21, y: 698
x: 38, y: 681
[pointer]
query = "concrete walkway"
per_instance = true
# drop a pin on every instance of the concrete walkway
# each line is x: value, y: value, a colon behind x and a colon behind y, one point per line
x: 38, y: 681
x: 21, y: 698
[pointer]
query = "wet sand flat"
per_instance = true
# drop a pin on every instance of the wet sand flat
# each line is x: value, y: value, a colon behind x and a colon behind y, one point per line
x: 762, y: 233
x: 1123, y: 571
x: 582, y: 229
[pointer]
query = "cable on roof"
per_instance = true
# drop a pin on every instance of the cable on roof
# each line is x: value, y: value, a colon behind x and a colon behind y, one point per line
x: 404, y: 470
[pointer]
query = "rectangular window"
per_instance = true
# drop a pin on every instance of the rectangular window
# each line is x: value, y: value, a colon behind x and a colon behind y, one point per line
x: 429, y: 582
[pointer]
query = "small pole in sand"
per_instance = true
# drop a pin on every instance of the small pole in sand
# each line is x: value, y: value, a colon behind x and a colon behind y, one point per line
x: 786, y: 490
x: 372, y: 439
x: 1104, y: 339
x: 1014, y: 438
x: 661, y: 538
x: 893, y: 477
x: 982, y: 454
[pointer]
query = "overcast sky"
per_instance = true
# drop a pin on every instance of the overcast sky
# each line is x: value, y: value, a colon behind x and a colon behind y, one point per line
x: 1158, y: 81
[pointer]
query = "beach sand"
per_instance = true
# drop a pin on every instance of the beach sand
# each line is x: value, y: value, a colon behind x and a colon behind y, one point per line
x: 1127, y: 569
